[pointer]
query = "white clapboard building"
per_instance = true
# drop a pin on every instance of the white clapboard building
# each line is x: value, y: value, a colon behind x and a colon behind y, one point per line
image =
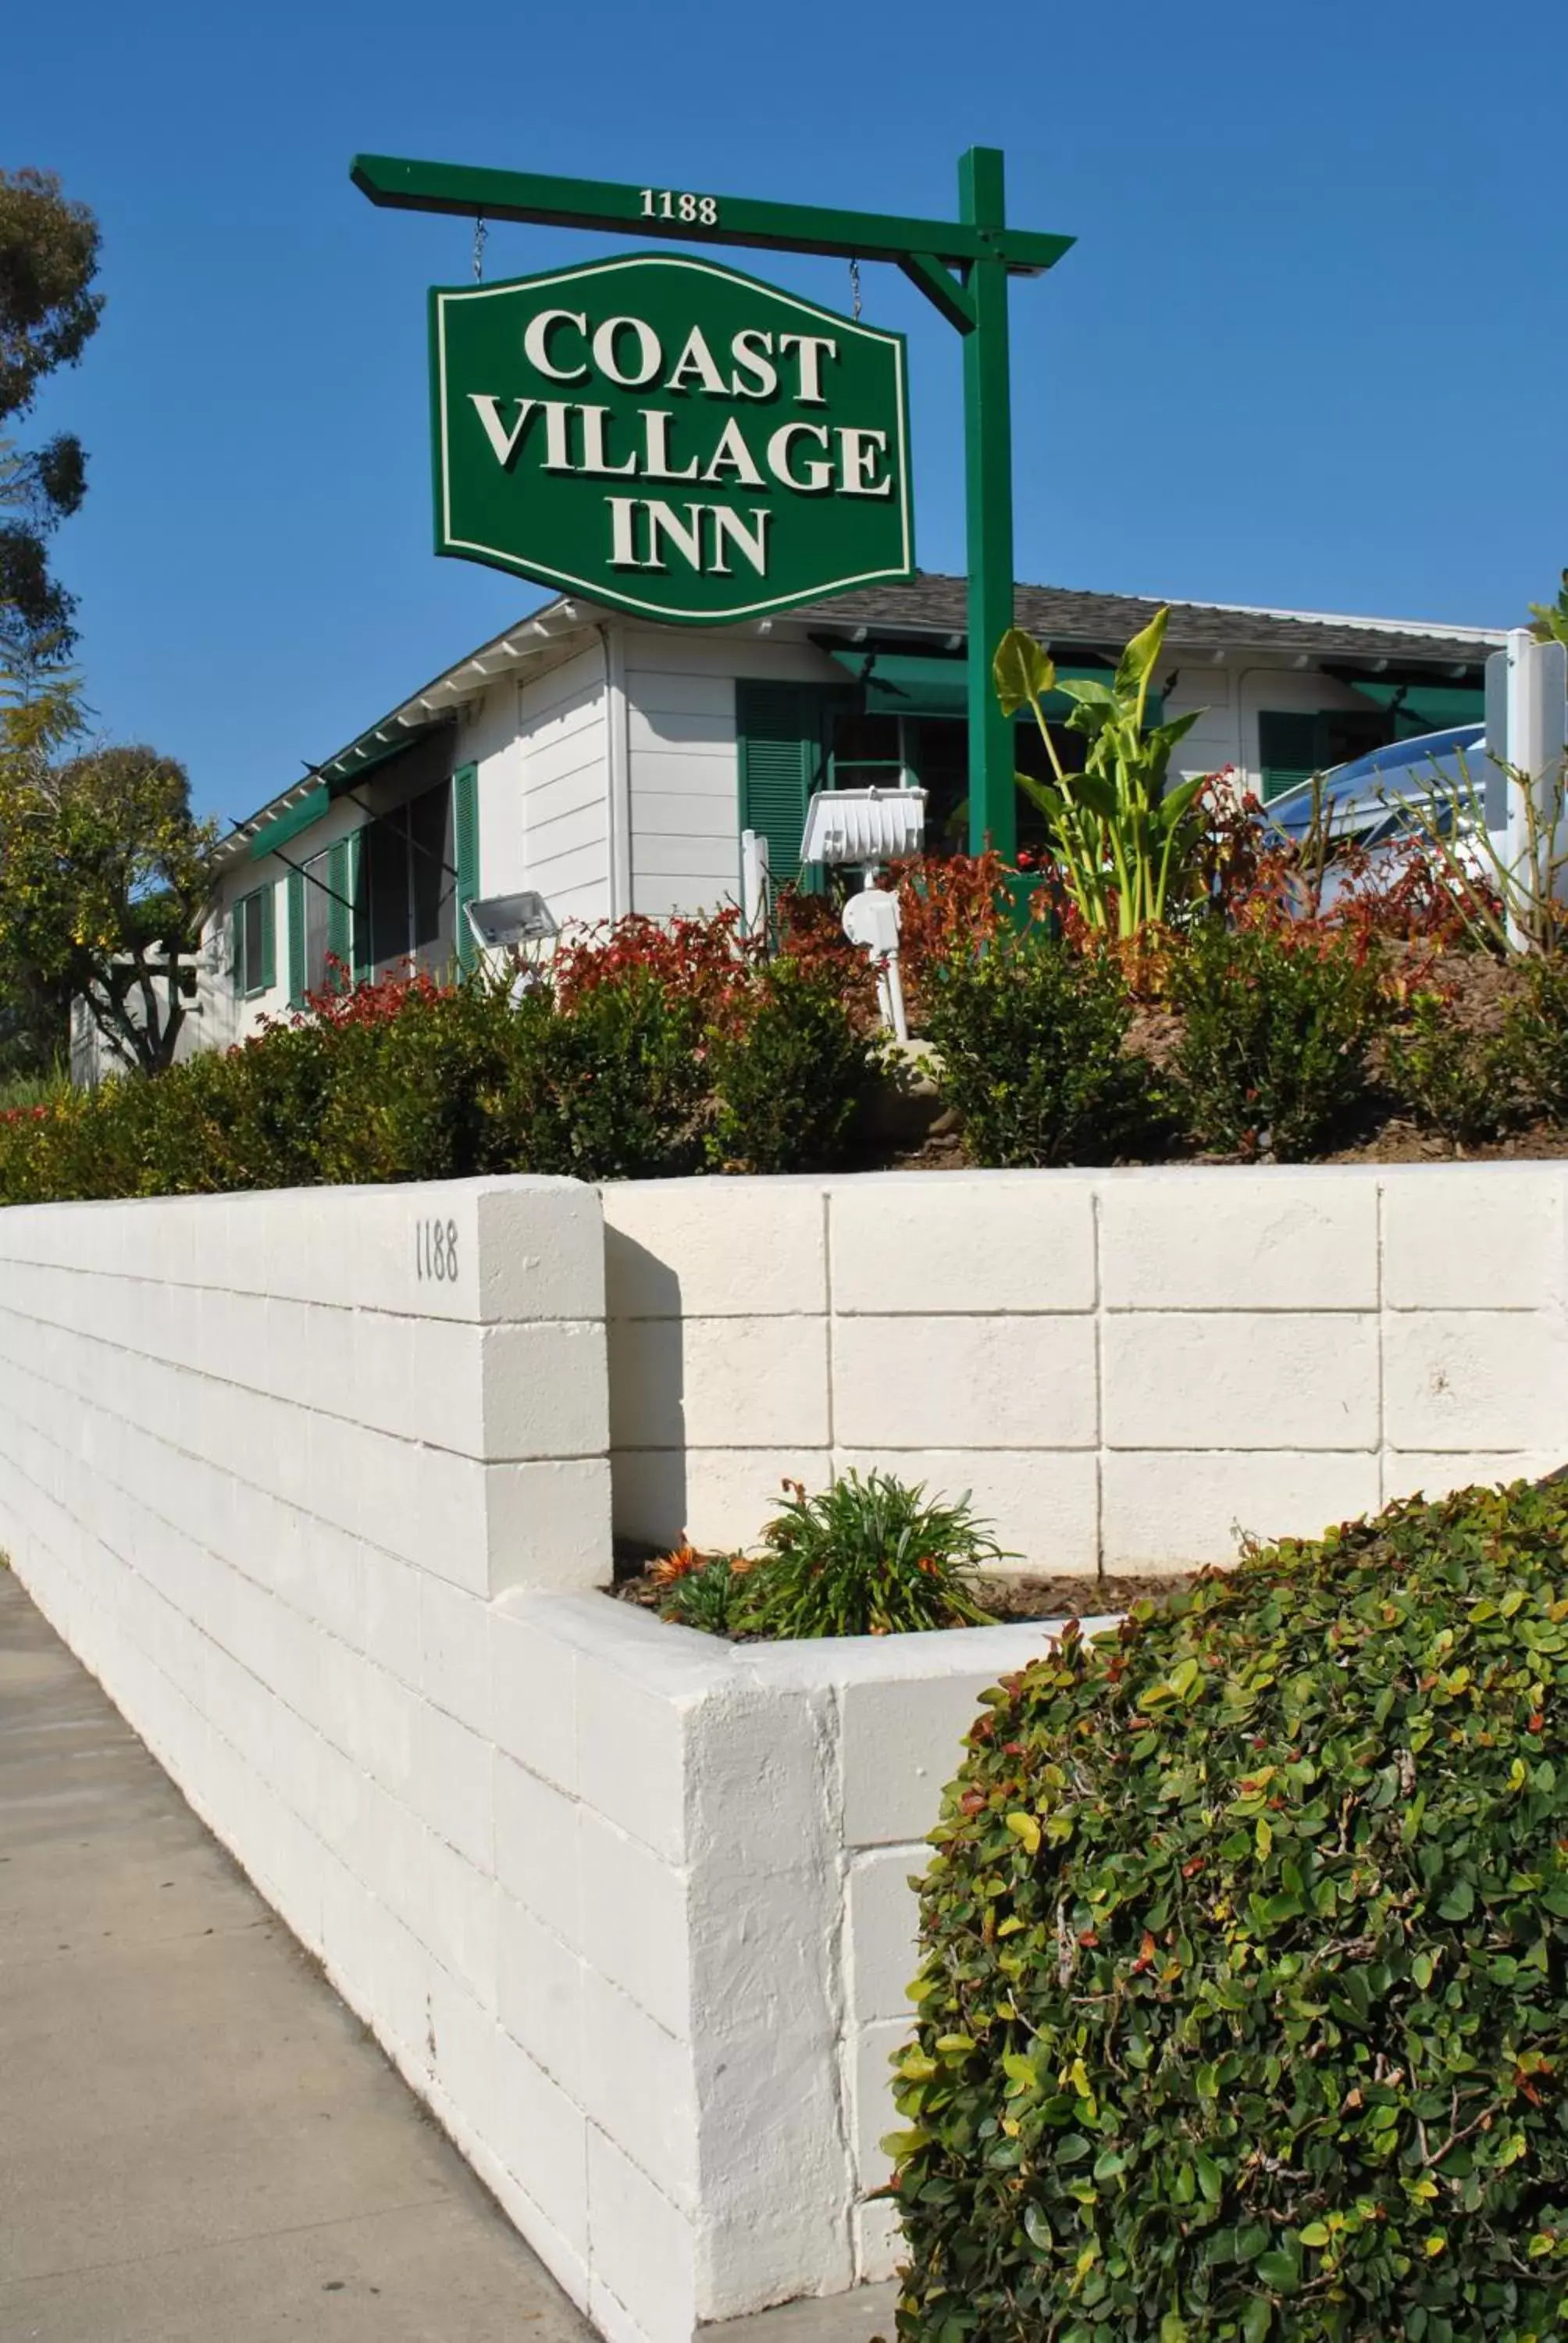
x: 610, y: 764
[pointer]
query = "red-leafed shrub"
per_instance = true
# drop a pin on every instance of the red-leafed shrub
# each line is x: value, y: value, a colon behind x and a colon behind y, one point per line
x: 704, y: 962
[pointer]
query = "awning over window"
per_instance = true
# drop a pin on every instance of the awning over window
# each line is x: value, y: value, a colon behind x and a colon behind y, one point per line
x: 912, y: 683
x: 1422, y: 707
x: 369, y: 757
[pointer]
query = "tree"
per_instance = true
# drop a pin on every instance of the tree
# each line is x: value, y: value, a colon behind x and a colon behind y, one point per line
x: 48, y: 259
x: 104, y: 876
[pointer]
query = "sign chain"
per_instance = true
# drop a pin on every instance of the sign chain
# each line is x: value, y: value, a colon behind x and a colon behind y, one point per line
x: 480, y: 232
x: 855, y: 286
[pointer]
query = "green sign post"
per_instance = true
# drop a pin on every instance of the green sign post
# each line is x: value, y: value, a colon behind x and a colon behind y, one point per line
x: 671, y: 437
x: 961, y: 265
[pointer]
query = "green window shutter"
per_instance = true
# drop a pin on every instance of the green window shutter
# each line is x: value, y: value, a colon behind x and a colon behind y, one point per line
x: 359, y: 893
x: 778, y: 732
x: 339, y: 908
x: 466, y: 838
x: 295, y: 892
x: 267, y: 975
x: 1289, y: 750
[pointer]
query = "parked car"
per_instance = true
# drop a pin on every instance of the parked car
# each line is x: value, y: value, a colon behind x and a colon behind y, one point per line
x: 1443, y: 782
x: 1438, y: 780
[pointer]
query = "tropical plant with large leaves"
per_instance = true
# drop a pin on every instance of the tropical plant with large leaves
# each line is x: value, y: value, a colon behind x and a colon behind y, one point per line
x: 1124, y: 841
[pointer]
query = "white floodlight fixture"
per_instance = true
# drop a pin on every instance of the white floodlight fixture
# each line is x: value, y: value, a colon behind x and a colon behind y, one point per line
x: 864, y: 825
x: 503, y: 923
x: 870, y: 827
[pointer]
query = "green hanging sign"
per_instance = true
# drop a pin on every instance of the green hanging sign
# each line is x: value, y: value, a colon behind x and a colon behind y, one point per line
x: 669, y: 437
x: 962, y: 267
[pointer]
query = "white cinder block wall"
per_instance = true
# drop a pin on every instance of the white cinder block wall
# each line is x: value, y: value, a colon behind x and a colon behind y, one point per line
x: 273, y: 1480
x: 1125, y: 1368
x: 628, y: 1907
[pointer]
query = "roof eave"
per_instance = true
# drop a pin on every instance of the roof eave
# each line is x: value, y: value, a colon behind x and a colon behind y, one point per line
x: 436, y: 702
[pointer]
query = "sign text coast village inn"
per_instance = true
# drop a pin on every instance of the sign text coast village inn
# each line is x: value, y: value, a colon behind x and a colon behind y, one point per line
x: 671, y: 437
x: 713, y: 473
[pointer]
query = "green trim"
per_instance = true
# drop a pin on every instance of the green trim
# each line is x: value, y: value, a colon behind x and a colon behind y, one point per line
x: 913, y: 683
x: 359, y: 919
x: 294, y: 894
x: 249, y: 983
x: 988, y: 504
x: 941, y: 288
x: 465, y: 848
x: 779, y: 733
x: 1288, y: 748
x: 311, y: 809
x: 268, y: 938
x: 1418, y: 707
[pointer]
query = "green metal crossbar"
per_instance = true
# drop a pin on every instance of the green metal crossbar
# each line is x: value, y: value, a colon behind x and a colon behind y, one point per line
x: 979, y: 245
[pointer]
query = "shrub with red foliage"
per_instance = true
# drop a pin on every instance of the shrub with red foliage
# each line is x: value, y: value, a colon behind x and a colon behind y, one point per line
x: 703, y: 960
x: 948, y: 905
x: 371, y: 1001
x: 1400, y: 894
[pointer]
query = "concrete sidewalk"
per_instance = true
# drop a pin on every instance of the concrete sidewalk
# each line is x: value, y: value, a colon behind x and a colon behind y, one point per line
x: 198, y: 2144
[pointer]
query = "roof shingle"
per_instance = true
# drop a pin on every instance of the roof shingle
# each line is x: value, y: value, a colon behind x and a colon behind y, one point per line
x: 1059, y: 615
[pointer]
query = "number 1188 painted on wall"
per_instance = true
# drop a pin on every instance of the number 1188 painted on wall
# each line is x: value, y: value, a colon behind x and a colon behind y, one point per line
x: 436, y: 1250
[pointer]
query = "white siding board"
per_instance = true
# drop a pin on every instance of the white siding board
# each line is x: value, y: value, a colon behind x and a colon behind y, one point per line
x: 579, y: 827
x: 658, y: 794
x: 563, y: 781
x: 718, y: 651
x: 661, y: 897
x: 687, y: 776
x: 570, y: 792
x: 700, y: 858
x: 668, y: 730
x: 697, y: 819
x: 659, y: 691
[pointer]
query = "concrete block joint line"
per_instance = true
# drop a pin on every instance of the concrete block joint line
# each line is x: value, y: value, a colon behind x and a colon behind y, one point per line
x: 628, y: 1907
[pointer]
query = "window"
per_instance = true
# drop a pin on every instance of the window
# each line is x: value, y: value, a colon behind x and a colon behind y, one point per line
x: 406, y: 896
x: 871, y: 752
x: 935, y: 757
x: 1295, y: 745
x: 317, y: 906
x: 252, y: 940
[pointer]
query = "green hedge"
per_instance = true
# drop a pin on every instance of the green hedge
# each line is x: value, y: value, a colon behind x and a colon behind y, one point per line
x: 625, y: 1081
x: 1243, y: 2008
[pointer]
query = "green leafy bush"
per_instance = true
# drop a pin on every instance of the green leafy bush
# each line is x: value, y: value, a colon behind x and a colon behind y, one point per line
x: 1030, y: 1037
x: 1243, y: 2007
x: 1538, y: 1033
x: 611, y: 1088
x: 413, y: 1081
x: 1276, y: 1029
x: 406, y: 1081
x: 1459, y: 1082
x: 789, y: 1073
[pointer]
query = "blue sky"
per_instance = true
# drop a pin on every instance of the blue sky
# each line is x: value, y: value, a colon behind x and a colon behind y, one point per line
x: 1309, y: 350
